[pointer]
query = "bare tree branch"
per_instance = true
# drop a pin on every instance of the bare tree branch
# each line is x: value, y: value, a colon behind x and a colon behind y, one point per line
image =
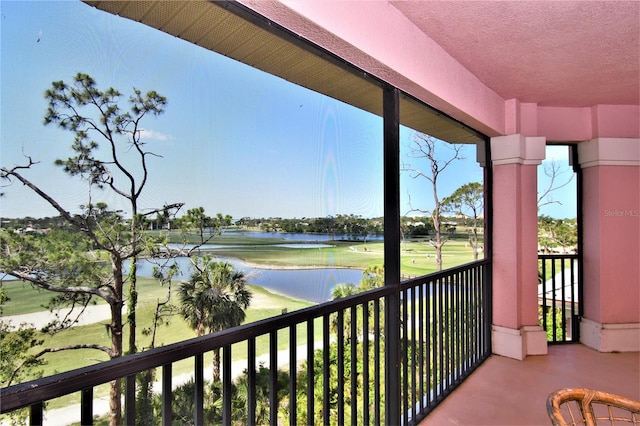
x: 78, y: 224
x: 552, y: 170
x: 424, y: 147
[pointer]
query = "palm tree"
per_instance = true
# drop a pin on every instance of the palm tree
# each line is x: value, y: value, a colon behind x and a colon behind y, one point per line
x: 372, y: 277
x: 214, y: 299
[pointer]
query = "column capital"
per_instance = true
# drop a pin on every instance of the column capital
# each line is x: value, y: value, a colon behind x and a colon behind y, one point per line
x: 517, y: 149
x: 609, y: 152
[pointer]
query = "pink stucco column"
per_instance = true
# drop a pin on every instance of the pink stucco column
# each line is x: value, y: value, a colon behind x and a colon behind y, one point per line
x: 516, y: 332
x: 611, y: 253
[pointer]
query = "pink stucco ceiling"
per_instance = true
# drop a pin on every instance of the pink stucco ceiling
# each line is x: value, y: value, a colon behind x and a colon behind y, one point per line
x: 553, y: 53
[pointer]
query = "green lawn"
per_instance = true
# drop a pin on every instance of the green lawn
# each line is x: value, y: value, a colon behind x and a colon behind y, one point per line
x: 417, y: 256
x: 24, y: 298
x: 268, y: 305
x: 175, y: 329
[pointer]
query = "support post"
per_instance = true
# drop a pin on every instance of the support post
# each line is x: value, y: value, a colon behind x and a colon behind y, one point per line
x: 515, y: 331
x: 611, y: 229
x: 391, y: 108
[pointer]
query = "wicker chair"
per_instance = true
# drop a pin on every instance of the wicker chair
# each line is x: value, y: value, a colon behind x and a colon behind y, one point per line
x: 572, y: 407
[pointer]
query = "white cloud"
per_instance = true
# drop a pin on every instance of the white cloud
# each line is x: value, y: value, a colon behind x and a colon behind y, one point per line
x: 557, y: 153
x: 150, y: 134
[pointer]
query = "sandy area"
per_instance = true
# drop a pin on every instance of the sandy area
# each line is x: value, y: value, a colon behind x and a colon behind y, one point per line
x: 91, y: 315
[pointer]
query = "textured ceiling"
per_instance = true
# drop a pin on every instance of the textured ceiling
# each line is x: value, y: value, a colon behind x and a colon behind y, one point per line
x: 553, y: 53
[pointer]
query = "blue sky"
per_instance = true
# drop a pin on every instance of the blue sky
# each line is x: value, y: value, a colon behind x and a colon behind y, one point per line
x: 561, y: 202
x: 233, y: 140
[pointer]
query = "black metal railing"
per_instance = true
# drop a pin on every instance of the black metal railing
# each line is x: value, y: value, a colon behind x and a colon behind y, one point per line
x: 560, y: 296
x: 324, y: 364
x: 446, y: 333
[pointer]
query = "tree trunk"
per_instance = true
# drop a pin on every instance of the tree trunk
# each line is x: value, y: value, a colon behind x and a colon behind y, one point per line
x: 115, y: 405
x: 216, y: 365
x: 131, y: 305
x: 133, y: 288
x: 473, y: 241
x: 115, y: 394
x: 439, y: 243
x: 144, y: 399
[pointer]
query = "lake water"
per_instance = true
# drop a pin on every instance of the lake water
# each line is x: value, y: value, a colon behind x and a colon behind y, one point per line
x: 314, y: 285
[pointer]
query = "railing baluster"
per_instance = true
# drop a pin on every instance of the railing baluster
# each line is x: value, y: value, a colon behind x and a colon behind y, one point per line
x: 35, y: 413
x: 310, y: 371
x: 484, y: 295
x: 404, y: 356
x: 273, y: 377
x: 86, y: 406
x: 340, y: 367
x: 477, y: 313
x: 487, y: 303
x: 226, y: 385
x: 414, y: 355
x: 421, y: 328
x: 198, y: 415
x: 543, y: 278
x: 354, y: 365
x: 441, y: 332
x: 564, y: 299
x: 130, y: 400
x: 326, y: 374
x: 447, y: 332
x: 455, y: 323
x: 471, y: 320
x: 365, y: 363
x: 376, y: 372
x: 553, y: 300
x: 457, y: 340
x: 293, y: 364
x: 463, y: 320
x: 474, y: 314
x: 429, y: 339
x: 167, y: 412
x: 251, y: 381
x: 575, y: 325
x: 481, y: 314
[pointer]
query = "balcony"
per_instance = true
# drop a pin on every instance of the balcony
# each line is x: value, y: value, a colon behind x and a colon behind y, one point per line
x: 504, y: 391
x: 441, y: 323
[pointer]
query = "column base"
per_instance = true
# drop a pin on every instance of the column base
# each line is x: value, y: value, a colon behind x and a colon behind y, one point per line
x: 610, y: 337
x: 518, y: 344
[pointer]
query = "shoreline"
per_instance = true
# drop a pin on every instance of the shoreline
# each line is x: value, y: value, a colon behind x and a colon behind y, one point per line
x: 100, y: 312
x: 280, y: 294
x: 271, y: 267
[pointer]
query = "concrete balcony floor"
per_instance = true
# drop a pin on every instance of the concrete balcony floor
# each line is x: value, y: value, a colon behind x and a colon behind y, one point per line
x: 504, y: 391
